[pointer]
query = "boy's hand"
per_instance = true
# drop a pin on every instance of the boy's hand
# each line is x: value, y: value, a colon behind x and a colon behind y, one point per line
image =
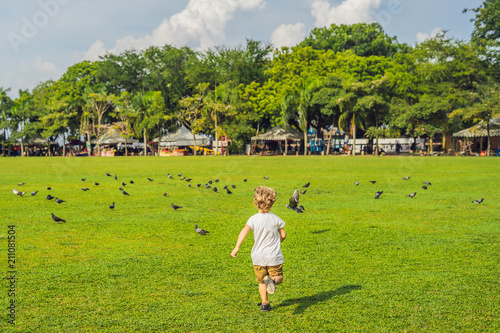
x: 235, y: 252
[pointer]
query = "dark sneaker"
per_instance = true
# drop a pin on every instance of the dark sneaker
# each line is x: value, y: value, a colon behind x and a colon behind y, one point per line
x: 265, y: 308
x: 270, y: 286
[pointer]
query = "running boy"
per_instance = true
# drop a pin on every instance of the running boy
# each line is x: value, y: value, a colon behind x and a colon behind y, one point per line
x: 266, y: 253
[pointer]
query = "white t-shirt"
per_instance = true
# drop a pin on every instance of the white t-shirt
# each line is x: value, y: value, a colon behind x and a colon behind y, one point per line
x: 266, y: 250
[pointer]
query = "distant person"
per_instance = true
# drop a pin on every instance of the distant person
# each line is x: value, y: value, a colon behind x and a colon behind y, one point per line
x: 268, y: 234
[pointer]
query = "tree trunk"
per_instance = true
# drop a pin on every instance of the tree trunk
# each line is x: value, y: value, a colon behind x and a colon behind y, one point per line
x: 145, y: 144
x: 194, y: 138
x: 330, y: 138
x: 216, y: 139
x: 126, y: 147
x: 48, y: 148
x: 353, y: 137
x: 64, y: 145
x: 305, y: 138
x: 489, y: 138
x: 22, y: 147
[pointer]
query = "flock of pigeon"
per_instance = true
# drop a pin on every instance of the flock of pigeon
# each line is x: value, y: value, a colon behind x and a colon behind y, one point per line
x: 293, y: 201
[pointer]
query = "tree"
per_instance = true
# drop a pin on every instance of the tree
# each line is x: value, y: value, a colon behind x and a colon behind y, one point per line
x: 98, y: 102
x: 6, y: 104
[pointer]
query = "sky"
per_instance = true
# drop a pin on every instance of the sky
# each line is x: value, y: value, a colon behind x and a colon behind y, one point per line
x: 40, y: 39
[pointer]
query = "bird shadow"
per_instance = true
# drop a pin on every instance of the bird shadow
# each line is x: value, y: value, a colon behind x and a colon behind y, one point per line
x: 319, y: 231
x: 307, y: 301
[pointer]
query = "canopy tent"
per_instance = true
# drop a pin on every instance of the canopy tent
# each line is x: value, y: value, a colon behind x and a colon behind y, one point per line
x: 112, y: 137
x: 479, y: 130
x: 183, y: 137
x: 278, y: 133
x: 39, y: 141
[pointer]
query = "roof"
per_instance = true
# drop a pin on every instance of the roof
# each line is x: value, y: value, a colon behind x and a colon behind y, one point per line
x: 479, y: 130
x: 112, y: 137
x: 183, y: 137
x: 279, y: 133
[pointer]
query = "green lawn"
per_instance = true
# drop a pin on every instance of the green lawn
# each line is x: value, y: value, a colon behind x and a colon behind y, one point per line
x: 352, y: 263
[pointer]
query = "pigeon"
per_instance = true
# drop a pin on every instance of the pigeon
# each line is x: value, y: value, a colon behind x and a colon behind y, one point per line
x: 150, y: 179
x: 112, y: 206
x: 21, y: 193
x: 170, y: 176
x: 378, y: 194
x: 15, y: 191
x: 49, y: 188
x: 228, y: 192
x: 233, y: 186
x: 412, y: 195
x: 21, y: 184
x: 124, y: 184
x: 85, y: 189
x: 96, y: 184
x: 198, y: 185
x: 165, y: 194
x: 406, y: 178
x: 207, y: 186
x: 83, y: 179
x: 200, y: 231
x: 180, y: 175
x: 294, y: 201
x: 182, y: 178
x: 59, y: 201
x: 427, y: 183
x: 303, y: 192
x: 424, y: 187
x: 131, y: 182
x: 116, y: 178
x: 189, y: 185
x: 34, y: 193
x: 478, y: 201
x: 123, y: 191
x: 210, y: 182
x: 174, y: 207
x: 215, y: 189
x: 245, y: 180
x: 265, y: 177
x: 306, y: 185
x: 107, y: 174
x: 57, y: 219
x: 189, y: 179
x: 225, y: 187
x: 49, y: 197
x: 373, y: 181
x: 356, y: 183
x: 217, y: 180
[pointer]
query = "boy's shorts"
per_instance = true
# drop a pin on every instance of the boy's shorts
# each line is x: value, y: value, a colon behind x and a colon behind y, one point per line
x: 272, y: 271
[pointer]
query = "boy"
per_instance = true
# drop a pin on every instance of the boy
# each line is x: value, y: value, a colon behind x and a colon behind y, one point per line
x: 266, y: 253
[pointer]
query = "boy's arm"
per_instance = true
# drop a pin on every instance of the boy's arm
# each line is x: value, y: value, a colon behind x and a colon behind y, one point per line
x: 243, y: 234
x: 282, y: 234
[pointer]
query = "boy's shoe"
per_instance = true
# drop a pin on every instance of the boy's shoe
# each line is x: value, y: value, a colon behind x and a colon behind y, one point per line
x: 265, y: 308
x: 270, y: 286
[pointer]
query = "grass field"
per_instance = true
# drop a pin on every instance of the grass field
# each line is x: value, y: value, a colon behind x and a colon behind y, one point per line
x: 352, y: 263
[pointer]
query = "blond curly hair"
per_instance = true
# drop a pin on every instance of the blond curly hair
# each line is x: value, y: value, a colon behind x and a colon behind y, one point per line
x: 264, y: 198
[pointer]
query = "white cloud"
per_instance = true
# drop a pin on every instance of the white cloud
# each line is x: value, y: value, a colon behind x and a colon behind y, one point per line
x: 421, y: 37
x: 29, y: 74
x: 288, y: 35
x: 200, y: 25
x: 348, y: 12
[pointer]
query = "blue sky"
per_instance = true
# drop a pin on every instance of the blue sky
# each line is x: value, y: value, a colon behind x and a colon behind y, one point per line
x: 42, y: 38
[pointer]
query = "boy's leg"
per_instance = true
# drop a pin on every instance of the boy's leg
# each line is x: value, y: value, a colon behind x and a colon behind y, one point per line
x: 263, y: 293
x: 276, y: 273
x: 260, y: 273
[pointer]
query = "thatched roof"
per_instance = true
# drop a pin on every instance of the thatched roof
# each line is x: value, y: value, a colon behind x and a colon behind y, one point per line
x: 479, y: 130
x: 279, y: 133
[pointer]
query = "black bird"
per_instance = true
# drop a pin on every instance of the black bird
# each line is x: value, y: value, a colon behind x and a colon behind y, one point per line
x: 59, y: 201
x: 112, y: 206
x: 57, y: 219
x: 34, y: 193
x: 228, y: 192
x: 215, y: 189
x: 207, y: 186
x: 294, y: 202
x: 225, y: 187
x: 123, y: 191
x: 233, y: 186
x: 189, y: 179
x: 198, y: 185
x: 478, y: 201
x: 373, y: 181
x: 170, y: 176
x: 210, y: 182
x: 265, y: 177
x: 49, y: 197
x: 356, y: 183
x: 107, y: 174
x: 150, y: 179
x: 21, y: 184
x: 189, y: 184
x: 200, y: 231
x: 378, y: 194
x: 406, y: 178
x: 424, y: 187
x: 116, y: 177
x: 85, y: 189
x: 174, y: 207
x: 427, y: 183
x: 412, y: 195
x: 83, y: 179
x: 306, y: 185
x: 20, y: 193
x: 96, y: 184
x: 124, y: 184
x: 303, y: 192
x: 182, y: 178
x: 217, y: 180
x: 165, y: 194
x: 180, y: 175
x: 49, y: 188
x: 245, y: 180
x: 131, y: 182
